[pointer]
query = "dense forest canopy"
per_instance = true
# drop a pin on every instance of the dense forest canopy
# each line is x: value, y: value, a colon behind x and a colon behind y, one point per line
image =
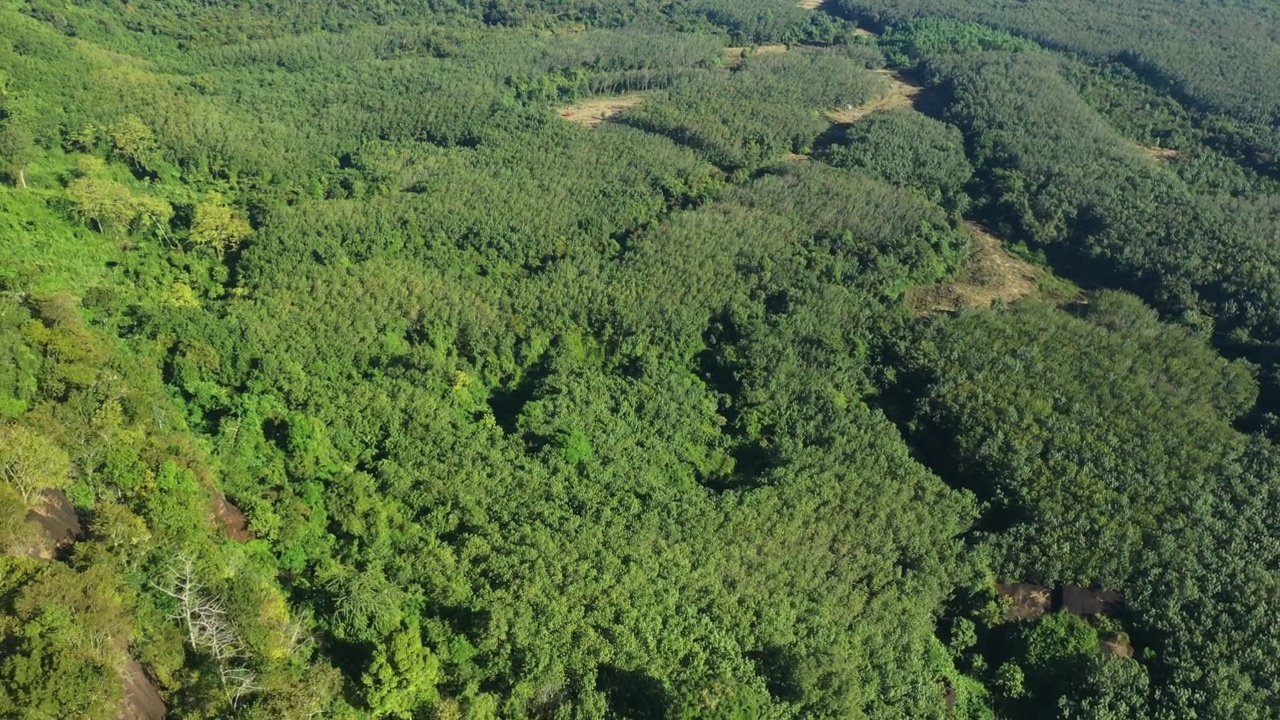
x: 1222, y: 57
x: 529, y: 359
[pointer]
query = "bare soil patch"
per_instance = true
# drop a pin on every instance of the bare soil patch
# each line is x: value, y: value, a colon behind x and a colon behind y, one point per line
x: 991, y: 274
x: 593, y: 111
x: 899, y: 92
x: 1116, y: 647
x: 810, y: 4
x: 795, y: 157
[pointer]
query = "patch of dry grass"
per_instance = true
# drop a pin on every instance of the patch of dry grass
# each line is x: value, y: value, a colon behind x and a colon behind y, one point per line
x: 990, y: 274
x: 733, y: 55
x: 593, y: 111
x: 898, y: 93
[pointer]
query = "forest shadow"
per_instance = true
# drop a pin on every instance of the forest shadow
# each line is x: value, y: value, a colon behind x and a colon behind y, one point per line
x: 778, y: 668
x: 508, y: 402
x: 933, y: 447
x: 719, y: 367
x: 632, y: 694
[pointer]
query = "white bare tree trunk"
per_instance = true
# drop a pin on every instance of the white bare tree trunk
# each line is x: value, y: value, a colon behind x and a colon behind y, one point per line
x: 208, y: 630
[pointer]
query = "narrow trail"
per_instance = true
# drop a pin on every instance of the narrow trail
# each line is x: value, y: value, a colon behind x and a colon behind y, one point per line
x: 142, y: 699
x: 53, y: 527
x: 733, y: 55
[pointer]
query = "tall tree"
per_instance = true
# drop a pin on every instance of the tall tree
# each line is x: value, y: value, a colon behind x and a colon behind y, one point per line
x: 218, y: 226
x: 16, y: 152
x: 30, y: 462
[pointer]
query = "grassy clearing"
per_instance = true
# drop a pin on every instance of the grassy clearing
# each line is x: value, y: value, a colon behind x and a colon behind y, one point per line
x: 1159, y: 153
x: 593, y: 111
x: 898, y: 93
x: 733, y: 55
x: 48, y: 252
x: 990, y: 275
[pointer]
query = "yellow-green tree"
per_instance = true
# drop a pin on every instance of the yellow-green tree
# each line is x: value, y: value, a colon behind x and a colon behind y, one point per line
x: 106, y: 202
x: 30, y: 462
x: 217, y: 225
x: 401, y: 680
x: 16, y: 150
x: 133, y: 141
x: 151, y: 215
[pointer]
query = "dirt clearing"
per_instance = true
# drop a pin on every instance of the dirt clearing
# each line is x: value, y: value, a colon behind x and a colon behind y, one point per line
x: 810, y: 4
x: 733, y: 55
x: 769, y: 49
x: 898, y: 93
x: 990, y: 274
x: 1159, y: 153
x: 593, y: 111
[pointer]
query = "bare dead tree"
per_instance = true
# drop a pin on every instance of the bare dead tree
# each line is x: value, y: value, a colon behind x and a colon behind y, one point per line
x: 208, y: 629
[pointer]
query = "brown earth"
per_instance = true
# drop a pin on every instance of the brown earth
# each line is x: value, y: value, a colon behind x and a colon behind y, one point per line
x: 795, y: 157
x: 1159, y: 153
x: 990, y: 274
x: 54, y: 526
x: 593, y: 111
x: 898, y: 93
x: 769, y: 49
x: 810, y: 4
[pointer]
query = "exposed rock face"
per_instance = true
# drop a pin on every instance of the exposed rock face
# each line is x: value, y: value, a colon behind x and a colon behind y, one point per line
x: 1027, y: 601
x: 141, y: 698
x: 231, y: 518
x: 52, y: 526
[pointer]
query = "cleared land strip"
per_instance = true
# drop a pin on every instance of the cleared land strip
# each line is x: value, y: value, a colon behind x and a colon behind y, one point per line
x: 1159, y: 153
x: 990, y: 274
x: 733, y: 55
x: 899, y: 93
x: 593, y: 111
